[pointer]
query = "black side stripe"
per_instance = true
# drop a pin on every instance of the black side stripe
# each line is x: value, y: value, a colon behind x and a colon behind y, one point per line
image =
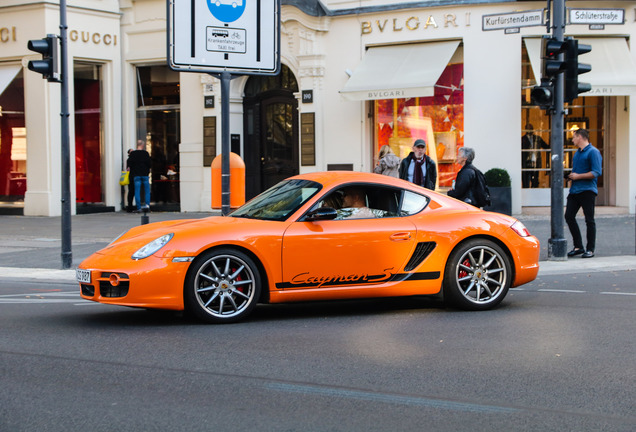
x: 400, y: 277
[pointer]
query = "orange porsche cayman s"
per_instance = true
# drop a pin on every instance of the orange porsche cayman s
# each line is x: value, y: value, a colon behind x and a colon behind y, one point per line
x: 319, y: 236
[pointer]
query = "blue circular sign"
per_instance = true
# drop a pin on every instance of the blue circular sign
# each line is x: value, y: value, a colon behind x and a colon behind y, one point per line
x: 226, y: 10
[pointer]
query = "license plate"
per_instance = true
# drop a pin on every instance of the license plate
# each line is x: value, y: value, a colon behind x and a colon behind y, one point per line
x: 83, y: 275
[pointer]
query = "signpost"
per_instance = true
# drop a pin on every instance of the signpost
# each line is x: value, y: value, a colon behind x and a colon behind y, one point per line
x: 596, y: 18
x: 513, y: 21
x: 225, y: 38
x: 215, y: 36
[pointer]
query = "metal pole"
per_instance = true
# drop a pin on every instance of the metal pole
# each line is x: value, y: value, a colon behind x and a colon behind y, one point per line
x: 226, y: 77
x: 67, y: 254
x: 557, y: 244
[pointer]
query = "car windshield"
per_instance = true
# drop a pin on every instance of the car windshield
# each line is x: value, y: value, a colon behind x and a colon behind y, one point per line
x: 280, y: 201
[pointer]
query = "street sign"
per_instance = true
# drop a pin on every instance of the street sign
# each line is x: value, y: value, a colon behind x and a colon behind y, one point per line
x: 512, y: 20
x: 596, y: 16
x: 213, y: 36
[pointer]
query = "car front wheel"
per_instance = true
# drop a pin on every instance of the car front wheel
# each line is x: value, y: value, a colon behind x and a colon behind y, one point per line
x: 222, y: 286
x: 477, y: 276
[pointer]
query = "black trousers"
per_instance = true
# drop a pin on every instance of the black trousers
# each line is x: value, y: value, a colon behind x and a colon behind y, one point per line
x: 131, y: 193
x: 587, y: 200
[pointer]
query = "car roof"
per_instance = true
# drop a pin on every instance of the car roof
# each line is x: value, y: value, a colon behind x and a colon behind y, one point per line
x: 331, y: 178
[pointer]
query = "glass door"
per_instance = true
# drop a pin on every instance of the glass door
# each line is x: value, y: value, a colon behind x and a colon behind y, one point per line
x: 88, y: 133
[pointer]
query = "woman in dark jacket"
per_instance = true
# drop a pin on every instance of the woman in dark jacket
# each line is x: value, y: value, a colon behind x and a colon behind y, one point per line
x: 464, y: 187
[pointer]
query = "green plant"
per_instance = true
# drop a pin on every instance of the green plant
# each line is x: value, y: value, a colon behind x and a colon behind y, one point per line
x: 497, y: 177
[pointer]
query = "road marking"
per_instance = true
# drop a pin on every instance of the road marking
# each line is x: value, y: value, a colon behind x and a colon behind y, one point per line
x: 619, y: 293
x: 41, y: 297
x: 36, y: 300
x: 563, y: 291
x: 391, y: 398
x: 38, y: 293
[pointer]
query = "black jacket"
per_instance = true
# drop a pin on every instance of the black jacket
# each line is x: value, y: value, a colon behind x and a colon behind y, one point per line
x: 465, y: 185
x: 429, y: 179
x: 139, y: 163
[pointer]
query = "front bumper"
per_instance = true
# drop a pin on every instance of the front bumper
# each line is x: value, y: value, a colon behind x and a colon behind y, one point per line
x: 149, y: 283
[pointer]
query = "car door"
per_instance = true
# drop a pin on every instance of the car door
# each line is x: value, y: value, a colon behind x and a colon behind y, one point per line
x: 345, y: 253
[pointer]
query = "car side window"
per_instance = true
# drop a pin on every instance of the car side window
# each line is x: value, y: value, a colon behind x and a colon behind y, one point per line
x: 413, y: 203
x: 377, y: 201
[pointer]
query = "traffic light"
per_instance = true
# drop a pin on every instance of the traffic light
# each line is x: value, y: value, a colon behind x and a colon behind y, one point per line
x: 543, y: 95
x: 551, y: 66
x: 573, y: 69
x: 48, y: 66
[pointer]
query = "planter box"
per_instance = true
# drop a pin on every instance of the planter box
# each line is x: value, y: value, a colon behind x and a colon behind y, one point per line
x: 500, y: 200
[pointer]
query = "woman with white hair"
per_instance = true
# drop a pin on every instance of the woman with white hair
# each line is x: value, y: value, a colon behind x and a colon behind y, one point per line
x: 464, y: 187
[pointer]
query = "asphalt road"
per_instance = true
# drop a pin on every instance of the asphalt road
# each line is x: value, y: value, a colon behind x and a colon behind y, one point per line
x: 557, y: 355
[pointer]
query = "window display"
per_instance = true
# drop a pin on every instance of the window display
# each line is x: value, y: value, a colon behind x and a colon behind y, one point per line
x: 438, y: 119
x: 585, y: 112
x: 13, y: 155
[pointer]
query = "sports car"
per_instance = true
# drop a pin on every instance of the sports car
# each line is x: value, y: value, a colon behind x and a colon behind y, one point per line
x: 319, y: 236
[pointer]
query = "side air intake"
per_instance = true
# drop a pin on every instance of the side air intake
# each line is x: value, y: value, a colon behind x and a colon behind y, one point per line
x: 422, y: 250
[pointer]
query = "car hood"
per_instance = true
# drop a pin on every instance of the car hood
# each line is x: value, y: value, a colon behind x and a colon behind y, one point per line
x: 190, y: 235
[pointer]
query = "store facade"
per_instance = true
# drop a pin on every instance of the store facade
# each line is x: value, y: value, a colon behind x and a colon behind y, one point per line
x: 30, y: 146
x: 407, y: 71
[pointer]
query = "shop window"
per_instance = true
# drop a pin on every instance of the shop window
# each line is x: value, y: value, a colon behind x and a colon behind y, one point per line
x: 438, y: 119
x: 88, y: 132
x: 158, y: 125
x: 585, y: 112
x: 13, y: 158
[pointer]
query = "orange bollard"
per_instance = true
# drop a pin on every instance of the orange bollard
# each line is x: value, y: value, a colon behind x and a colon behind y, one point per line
x: 237, y: 181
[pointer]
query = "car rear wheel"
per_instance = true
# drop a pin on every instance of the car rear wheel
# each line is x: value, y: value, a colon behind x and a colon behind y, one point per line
x: 477, y: 276
x: 222, y: 286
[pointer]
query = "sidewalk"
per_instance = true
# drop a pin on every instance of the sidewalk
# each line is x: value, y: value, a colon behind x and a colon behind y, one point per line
x: 30, y: 247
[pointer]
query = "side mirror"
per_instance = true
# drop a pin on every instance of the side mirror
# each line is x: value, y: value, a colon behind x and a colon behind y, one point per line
x: 322, y: 213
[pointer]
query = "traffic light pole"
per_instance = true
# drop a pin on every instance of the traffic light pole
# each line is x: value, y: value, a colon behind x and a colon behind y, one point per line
x: 67, y: 254
x: 557, y: 245
x: 226, y: 78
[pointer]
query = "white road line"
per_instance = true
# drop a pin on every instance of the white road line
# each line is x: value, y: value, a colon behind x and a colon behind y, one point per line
x: 619, y: 293
x: 43, y: 294
x: 563, y: 291
x: 36, y: 300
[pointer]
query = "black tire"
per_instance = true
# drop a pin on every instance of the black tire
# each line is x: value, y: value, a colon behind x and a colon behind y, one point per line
x: 222, y: 286
x: 477, y: 275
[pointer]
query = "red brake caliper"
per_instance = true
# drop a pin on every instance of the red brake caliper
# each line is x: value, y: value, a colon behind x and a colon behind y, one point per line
x: 240, y: 288
x: 463, y: 273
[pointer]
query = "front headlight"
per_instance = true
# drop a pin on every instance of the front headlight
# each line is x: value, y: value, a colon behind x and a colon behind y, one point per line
x: 152, y: 247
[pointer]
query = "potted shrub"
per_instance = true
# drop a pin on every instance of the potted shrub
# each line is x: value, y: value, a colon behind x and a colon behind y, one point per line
x: 498, y: 182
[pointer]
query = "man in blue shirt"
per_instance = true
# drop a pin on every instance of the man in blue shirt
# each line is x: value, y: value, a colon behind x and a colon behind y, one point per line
x: 587, y: 165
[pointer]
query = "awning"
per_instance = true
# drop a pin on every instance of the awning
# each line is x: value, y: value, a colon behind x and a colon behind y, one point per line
x: 613, y: 71
x: 399, y: 71
x: 7, y: 73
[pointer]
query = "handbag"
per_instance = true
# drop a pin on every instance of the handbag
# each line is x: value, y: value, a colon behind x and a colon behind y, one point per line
x: 124, y: 178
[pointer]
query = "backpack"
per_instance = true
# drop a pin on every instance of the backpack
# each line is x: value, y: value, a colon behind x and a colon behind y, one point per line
x: 480, y: 191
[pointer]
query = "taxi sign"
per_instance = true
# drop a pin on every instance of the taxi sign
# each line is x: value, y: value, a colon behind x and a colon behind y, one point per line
x: 214, y: 36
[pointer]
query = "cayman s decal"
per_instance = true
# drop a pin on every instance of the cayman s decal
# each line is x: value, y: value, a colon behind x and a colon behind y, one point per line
x: 307, y: 280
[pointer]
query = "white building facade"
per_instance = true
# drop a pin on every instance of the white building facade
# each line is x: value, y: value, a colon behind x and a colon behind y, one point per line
x: 355, y: 75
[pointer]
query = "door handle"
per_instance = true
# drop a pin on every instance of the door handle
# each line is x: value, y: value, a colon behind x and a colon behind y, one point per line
x: 401, y: 236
